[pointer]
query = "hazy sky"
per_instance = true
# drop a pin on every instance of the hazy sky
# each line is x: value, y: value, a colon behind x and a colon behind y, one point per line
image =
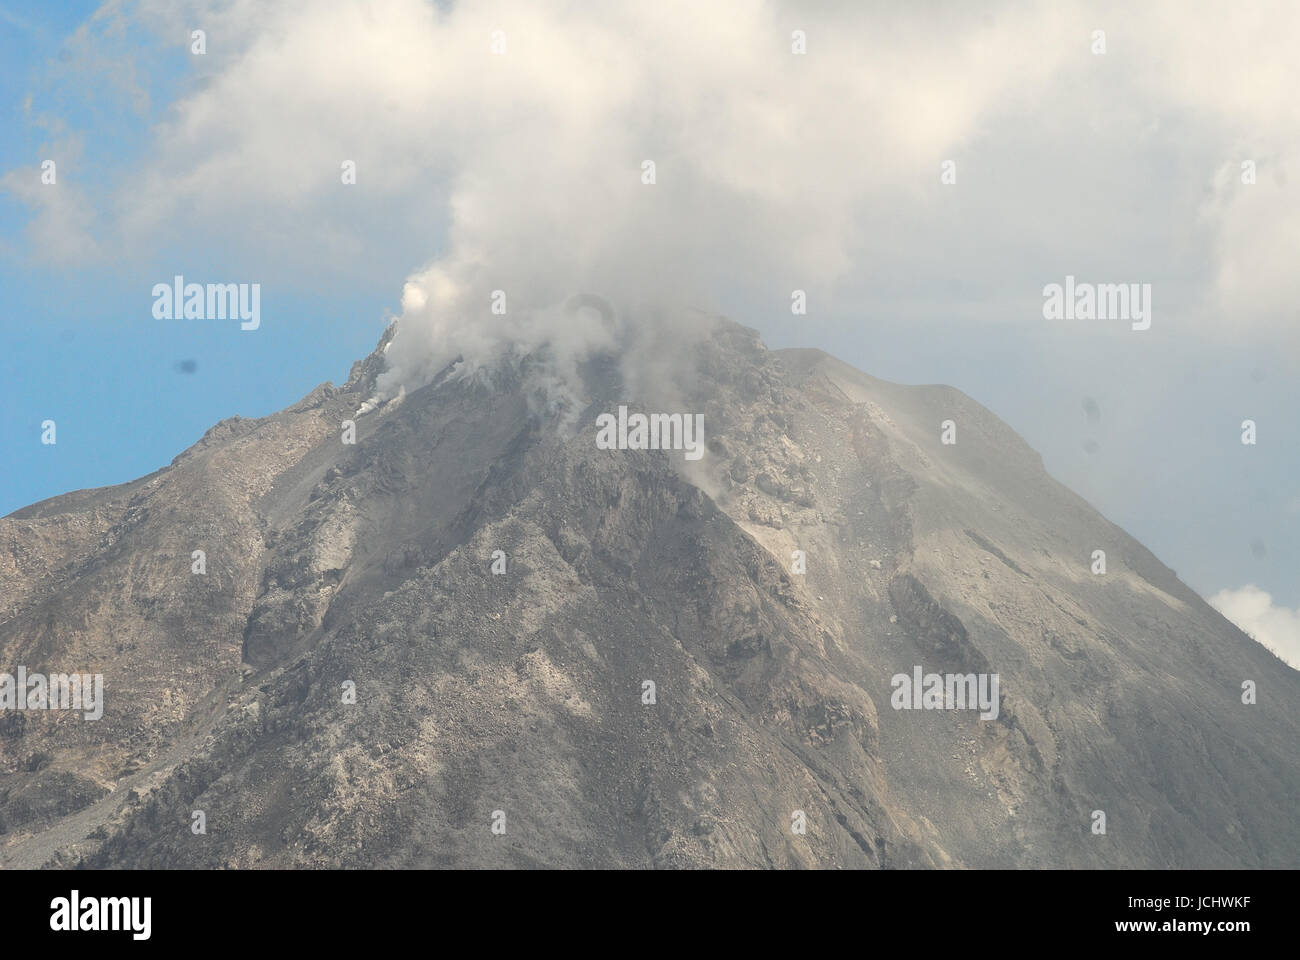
x: 502, y: 146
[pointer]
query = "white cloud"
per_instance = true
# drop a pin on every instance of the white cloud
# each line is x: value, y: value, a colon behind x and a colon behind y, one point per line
x: 14, y: 20
x: 775, y: 171
x: 62, y: 227
x: 1253, y: 610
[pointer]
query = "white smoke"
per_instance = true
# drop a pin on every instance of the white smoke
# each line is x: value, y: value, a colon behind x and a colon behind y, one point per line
x: 528, y: 164
x: 758, y: 173
x: 501, y: 145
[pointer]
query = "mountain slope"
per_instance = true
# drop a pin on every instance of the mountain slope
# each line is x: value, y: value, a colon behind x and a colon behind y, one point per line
x: 520, y: 694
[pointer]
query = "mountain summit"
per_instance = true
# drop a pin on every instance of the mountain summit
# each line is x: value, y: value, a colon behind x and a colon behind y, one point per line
x: 475, y: 637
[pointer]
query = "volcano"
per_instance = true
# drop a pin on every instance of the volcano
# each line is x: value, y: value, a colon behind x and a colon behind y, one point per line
x: 474, y: 637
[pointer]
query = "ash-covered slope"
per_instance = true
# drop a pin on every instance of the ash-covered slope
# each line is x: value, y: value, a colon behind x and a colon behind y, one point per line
x: 517, y: 698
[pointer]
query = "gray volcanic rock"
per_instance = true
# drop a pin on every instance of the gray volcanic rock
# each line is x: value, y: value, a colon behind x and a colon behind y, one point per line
x: 479, y: 694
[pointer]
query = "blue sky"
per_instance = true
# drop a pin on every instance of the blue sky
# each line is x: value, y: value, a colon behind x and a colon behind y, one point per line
x: 818, y: 173
x: 78, y: 343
